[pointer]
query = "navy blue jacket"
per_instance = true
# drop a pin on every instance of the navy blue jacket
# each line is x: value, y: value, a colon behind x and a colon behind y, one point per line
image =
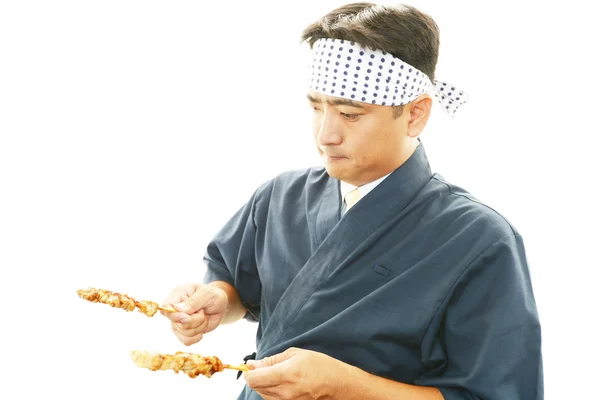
x: 419, y: 282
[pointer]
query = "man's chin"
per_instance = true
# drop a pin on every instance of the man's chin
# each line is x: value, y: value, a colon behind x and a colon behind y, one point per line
x: 334, y: 171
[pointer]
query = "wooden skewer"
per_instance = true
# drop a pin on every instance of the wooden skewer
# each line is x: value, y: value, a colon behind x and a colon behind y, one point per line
x: 242, y: 367
x: 167, y: 309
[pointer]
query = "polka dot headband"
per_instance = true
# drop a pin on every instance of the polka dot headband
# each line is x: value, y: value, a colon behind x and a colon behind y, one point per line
x: 341, y: 68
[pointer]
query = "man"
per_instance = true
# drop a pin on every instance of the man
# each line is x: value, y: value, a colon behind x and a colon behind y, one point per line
x: 405, y: 288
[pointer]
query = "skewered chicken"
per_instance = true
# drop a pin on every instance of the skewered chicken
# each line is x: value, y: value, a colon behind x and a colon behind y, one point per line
x: 118, y: 300
x: 191, y: 364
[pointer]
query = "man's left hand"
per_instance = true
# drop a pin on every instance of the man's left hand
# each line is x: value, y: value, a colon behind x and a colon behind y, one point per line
x: 296, y: 374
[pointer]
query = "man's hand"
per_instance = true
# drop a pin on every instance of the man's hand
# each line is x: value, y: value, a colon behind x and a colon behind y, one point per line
x: 201, y: 309
x: 296, y: 374
x: 307, y: 375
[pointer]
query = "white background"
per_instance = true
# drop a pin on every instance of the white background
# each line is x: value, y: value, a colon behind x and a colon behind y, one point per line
x: 131, y: 130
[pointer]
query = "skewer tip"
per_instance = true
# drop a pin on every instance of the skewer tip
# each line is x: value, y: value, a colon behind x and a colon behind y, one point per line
x: 242, y: 367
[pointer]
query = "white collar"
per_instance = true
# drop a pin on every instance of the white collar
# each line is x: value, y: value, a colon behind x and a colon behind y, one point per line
x: 346, y: 188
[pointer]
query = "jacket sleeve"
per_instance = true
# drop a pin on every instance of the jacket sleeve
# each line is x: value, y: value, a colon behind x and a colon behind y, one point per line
x: 231, y: 257
x: 485, y: 342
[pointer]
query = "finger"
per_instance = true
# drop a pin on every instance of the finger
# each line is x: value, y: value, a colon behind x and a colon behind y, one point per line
x: 188, y: 340
x: 197, y: 325
x: 179, y: 294
x: 194, y: 321
x: 266, y: 377
x: 189, y: 332
x: 178, y: 317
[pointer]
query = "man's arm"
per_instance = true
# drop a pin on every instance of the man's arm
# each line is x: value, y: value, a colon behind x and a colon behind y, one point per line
x: 358, y: 384
x: 304, y: 374
x: 235, y: 309
x: 230, y: 258
x: 231, y: 288
x: 486, y: 340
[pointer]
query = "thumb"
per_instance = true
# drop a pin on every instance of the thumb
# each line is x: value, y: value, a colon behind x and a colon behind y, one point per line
x: 184, y: 306
x: 189, y: 305
x: 272, y: 360
x: 199, y: 299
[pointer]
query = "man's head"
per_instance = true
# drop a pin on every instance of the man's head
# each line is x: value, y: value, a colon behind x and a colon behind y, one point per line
x: 403, y: 31
x: 359, y: 141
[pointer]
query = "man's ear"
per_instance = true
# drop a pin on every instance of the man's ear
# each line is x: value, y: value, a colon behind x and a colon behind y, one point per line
x: 420, y: 109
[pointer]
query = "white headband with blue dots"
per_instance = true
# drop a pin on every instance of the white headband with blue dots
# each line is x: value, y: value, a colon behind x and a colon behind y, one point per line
x: 341, y: 68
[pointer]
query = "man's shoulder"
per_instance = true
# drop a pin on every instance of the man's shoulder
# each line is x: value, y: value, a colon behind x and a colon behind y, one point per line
x: 469, y: 211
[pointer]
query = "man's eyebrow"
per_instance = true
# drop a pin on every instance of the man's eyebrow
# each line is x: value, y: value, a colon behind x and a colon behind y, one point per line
x: 335, y: 102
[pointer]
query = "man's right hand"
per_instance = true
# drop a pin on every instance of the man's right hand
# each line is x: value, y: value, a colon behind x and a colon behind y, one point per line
x: 200, y: 310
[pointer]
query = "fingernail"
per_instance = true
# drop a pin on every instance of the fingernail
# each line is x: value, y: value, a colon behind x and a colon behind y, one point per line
x: 181, y: 307
x: 185, y: 320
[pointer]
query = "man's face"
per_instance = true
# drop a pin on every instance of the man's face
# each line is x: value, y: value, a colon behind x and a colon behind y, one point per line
x: 358, y: 142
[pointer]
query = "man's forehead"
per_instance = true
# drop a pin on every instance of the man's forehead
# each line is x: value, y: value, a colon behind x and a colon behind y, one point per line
x: 316, y: 97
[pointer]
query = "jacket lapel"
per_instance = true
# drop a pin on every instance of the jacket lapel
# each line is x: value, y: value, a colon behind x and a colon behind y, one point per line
x: 336, y: 240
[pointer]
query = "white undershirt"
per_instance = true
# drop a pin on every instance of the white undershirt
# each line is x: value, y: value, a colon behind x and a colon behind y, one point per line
x: 346, y: 188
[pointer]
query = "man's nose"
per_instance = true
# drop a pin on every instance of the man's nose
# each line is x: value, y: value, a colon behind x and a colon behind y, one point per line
x: 329, y: 131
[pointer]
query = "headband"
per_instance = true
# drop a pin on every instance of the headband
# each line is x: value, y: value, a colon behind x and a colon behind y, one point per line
x: 341, y: 68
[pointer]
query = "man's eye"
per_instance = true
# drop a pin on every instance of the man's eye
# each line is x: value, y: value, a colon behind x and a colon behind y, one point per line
x: 349, y: 116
